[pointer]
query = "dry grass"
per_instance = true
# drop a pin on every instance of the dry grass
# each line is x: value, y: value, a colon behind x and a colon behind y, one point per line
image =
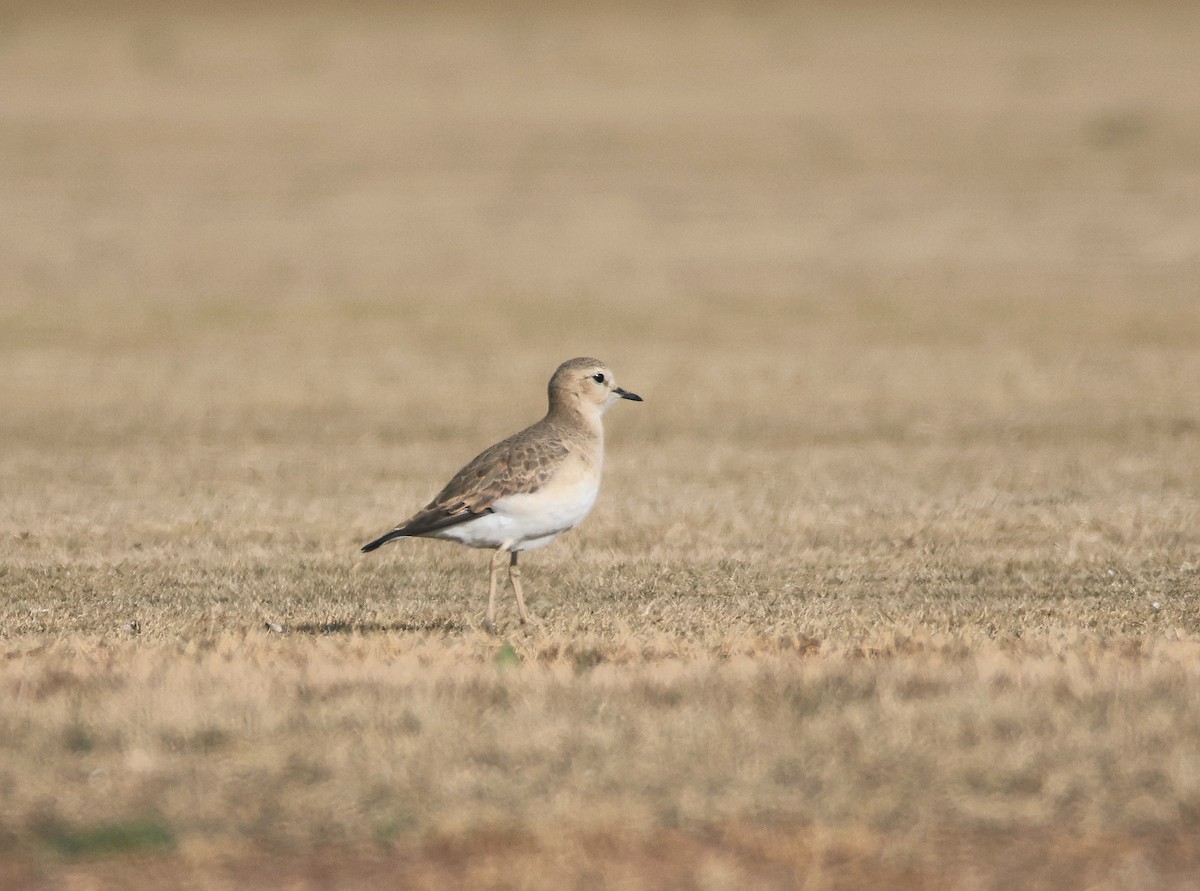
x: 893, y: 581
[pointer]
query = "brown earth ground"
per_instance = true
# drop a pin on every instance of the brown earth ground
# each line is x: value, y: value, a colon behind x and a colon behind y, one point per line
x: 895, y: 578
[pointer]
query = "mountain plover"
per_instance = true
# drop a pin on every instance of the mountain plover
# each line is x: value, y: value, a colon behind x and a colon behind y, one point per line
x: 525, y: 491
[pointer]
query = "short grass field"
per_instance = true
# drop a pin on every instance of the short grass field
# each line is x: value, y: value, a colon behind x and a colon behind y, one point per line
x: 894, y: 580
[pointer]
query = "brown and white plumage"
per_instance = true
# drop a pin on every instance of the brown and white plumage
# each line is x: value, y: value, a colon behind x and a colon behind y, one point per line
x: 528, y: 489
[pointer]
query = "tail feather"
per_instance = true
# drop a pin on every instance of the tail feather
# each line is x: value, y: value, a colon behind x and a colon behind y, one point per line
x: 383, y: 539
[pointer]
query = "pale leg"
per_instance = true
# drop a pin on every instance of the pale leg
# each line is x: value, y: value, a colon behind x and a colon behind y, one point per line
x: 489, y: 624
x: 514, y: 576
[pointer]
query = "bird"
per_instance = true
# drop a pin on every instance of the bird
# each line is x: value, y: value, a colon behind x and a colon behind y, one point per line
x: 526, y: 490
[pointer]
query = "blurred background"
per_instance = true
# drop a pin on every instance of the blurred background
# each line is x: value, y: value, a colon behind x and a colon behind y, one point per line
x: 461, y: 170
x: 778, y: 222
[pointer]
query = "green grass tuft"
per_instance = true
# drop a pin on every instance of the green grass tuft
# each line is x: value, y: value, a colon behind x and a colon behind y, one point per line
x: 105, y: 839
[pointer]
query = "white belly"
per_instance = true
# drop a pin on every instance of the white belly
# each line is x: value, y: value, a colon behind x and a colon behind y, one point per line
x: 523, y: 522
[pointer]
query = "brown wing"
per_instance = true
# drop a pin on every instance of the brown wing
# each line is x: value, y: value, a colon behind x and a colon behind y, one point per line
x: 520, y: 464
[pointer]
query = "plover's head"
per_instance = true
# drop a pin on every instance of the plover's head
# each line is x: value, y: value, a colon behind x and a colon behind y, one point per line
x: 587, y: 383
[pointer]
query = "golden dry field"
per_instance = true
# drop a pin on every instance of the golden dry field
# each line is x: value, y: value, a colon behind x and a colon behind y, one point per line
x: 894, y: 582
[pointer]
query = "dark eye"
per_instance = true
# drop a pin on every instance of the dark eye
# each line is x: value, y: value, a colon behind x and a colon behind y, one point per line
x: 598, y: 377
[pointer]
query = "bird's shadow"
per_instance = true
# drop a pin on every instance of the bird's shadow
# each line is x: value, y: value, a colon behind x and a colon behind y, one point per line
x: 331, y: 628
